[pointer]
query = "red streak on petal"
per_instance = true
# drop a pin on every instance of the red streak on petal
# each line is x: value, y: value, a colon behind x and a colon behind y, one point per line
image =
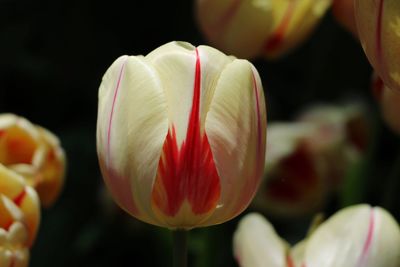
x: 12, y: 260
x: 8, y: 225
x: 369, y: 239
x: 112, y: 111
x: 278, y: 36
x: 2, y: 132
x: 189, y: 172
x: 19, y: 198
x: 377, y: 87
x: 289, y: 261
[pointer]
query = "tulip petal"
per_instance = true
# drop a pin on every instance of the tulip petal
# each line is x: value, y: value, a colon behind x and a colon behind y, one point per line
x: 295, y: 22
x: 236, y: 125
x: 131, y: 128
x: 378, y: 24
x: 256, y: 244
x: 187, y: 170
x: 358, y: 236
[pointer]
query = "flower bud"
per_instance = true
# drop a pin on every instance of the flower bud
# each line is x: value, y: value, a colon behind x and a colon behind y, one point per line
x: 259, y: 27
x: 181, y: 135
x: 378, y: 25
x: 34, y: 153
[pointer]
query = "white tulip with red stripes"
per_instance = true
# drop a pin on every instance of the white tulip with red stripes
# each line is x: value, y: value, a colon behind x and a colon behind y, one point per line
x: 181, y: 135
x: 357, y: 236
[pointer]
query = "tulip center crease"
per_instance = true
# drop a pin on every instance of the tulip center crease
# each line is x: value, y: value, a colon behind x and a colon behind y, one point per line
x: 187, y: 172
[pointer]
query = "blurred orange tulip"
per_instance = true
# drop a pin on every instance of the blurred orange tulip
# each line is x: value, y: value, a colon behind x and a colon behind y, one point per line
x: 34, y: 153
x: 19, y: 218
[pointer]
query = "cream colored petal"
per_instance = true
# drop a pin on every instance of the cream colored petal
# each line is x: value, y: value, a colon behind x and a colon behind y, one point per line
x: 297, y: 254
x: 212, y: 63
x: 235, y: 126
x: 175, y: 65
x: 256, y: 244
x: 358, y: 236
x: 339, y: 241
x: 131, y: 128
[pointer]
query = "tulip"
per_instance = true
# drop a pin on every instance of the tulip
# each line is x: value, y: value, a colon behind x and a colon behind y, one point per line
x: 294, y: 181
x: 308, y: 159
x: 378, y: 25
x: 353, y: 237
x: 270, y: 28
x: 34, y: 153
x: 19, y: 218
x: 343, y: 10
x: 181, y: 135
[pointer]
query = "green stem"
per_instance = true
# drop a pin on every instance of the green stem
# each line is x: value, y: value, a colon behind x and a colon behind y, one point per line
x: 180, y: 248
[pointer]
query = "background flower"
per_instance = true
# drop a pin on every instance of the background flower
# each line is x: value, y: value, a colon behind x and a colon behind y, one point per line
x: 35, y: 153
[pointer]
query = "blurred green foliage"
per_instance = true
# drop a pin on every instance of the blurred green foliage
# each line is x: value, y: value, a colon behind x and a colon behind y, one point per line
x: 53, y: 55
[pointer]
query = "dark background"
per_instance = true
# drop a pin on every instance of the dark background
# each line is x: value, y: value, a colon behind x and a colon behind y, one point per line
x: 52, y: 57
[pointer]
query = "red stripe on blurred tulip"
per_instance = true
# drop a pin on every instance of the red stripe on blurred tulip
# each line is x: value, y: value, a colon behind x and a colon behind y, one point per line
x: 289, y: 261
x: 20, y: 197
x: 296, y: 176
x: 189, y: 172
x: 379, y: 21
x: 278, y: 36
x: 368, y: 240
